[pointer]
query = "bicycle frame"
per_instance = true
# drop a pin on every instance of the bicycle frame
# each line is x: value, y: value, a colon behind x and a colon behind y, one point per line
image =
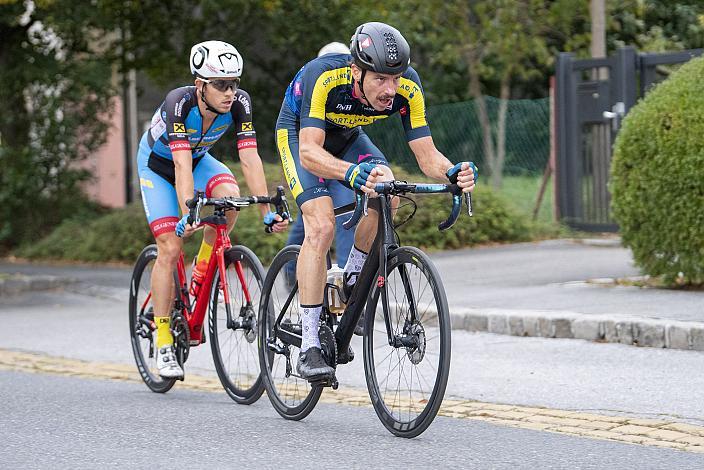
x: 195, y: 313
x: 374, y: 268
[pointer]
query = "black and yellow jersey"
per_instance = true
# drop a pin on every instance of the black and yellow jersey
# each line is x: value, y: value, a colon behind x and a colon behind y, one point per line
x: 321, y: 95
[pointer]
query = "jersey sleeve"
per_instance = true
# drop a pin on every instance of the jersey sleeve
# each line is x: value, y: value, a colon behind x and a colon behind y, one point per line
x: 315, y: 85
x: 177, y: 105
x: 413, y: 112
x: 242, y: 117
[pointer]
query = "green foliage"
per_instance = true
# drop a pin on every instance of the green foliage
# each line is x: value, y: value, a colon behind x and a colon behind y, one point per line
x: 121, y: 234
x: 56, y: 95
x: 657, y: 174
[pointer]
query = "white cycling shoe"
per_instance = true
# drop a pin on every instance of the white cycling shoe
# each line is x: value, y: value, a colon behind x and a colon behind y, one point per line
x: 167, y: 364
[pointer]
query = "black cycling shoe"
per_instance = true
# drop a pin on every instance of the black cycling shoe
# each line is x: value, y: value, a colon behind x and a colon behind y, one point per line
x: 344, y: 358
x: 311, y: 365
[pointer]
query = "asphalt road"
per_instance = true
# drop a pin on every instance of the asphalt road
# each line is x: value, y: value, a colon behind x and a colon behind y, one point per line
x: 62, y: 422
x: 564, y: 374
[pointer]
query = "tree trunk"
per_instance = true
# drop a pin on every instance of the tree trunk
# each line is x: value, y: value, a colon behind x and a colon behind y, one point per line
x: 475, y: 91
x: 498, y: 170
x: 14, y: 124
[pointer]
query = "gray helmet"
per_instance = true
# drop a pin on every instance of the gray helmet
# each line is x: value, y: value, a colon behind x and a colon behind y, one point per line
x: 380, y: 48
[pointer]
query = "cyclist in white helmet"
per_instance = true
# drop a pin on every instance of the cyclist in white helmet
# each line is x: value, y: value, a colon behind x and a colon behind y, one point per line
x: 174, y: 159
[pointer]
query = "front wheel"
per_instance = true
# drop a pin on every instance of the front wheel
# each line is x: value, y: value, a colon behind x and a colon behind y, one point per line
x: 142, y: 328
x: 292, y: 396
x: 407, y: 379
x: 233, y: 325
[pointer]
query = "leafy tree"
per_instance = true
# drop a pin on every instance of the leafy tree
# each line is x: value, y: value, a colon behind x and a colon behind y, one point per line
x: 56, y: 95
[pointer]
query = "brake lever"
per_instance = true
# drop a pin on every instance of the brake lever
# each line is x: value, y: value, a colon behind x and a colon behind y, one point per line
x: 468, y: 201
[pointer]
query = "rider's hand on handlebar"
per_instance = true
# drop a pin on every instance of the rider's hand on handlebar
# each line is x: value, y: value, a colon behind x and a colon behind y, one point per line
x: 184, y: 229
x: 363, y: 176
x: 464, y: 175
x: 275, y: 222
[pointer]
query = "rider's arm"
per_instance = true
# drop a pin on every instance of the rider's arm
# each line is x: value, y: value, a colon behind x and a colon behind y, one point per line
x: 183, y: 170
x: 316, y: 159
x: 181, y: 153
x: 252, y: 167
x: 430, y: 160
x: 253, y: 172
x: 434, y: 164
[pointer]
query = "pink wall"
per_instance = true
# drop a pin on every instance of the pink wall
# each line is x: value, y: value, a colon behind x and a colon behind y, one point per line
x: 107, y: 165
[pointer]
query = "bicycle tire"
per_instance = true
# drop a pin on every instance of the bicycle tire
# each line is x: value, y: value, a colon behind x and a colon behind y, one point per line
x: 241, y: 380
x: 292, y: 397
x: 408, y: 413
x: 140, y: 330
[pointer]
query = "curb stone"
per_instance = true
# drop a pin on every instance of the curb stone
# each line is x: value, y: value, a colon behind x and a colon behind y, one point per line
x: 18, y: 283
x: 615, y: 328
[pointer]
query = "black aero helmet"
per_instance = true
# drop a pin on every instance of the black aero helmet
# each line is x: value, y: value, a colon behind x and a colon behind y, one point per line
x: 380, y: 48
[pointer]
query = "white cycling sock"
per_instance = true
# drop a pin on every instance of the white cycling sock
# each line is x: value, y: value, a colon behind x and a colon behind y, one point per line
x: 310, y: 318
x: 354, y: 264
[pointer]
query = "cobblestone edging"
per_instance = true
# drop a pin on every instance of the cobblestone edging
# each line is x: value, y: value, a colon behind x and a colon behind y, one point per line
x: 623, y: 329
x: 18, y: 283
x: 648, y: 432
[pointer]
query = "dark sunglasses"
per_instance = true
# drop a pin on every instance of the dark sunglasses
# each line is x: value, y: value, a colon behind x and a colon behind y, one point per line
x: 222, y: 84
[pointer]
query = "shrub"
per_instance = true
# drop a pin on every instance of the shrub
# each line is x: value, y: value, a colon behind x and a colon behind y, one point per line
x: 657, y: 178
x: 121, y: 235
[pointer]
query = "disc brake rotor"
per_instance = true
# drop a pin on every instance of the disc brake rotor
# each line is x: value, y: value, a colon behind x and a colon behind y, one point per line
x: 416, y: 354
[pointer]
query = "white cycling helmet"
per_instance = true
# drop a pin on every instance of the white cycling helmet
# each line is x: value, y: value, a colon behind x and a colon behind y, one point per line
x: 334, y: 48
x: 215, y: 59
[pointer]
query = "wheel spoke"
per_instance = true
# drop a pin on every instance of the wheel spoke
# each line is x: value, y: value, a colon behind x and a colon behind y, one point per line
x: 408, y: 379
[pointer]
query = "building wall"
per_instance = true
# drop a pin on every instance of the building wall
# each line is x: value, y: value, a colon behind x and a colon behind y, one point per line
x: 107, y: 165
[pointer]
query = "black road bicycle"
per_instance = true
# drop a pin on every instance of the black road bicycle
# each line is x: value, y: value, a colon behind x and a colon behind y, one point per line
x: 406, y: 341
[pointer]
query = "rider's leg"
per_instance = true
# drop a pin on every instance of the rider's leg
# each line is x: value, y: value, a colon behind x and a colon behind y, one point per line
x: 162, y: 288
x: 316, y: 210
x: 319, y: 220
x: 216, y: 180
x: 365, y: 234
x: 344, y: 239
x: 162, y: 211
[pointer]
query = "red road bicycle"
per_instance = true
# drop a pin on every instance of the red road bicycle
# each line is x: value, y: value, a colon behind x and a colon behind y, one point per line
x: 230, y: 294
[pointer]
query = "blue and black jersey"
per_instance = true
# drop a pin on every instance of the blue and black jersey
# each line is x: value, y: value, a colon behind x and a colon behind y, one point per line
x: 321, y: 95
x: 178, y: 124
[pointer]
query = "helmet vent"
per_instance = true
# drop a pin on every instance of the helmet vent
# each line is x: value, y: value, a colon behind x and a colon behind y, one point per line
x: 391, y: 47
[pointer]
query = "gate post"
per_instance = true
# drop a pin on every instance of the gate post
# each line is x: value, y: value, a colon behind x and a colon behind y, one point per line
x: 565, y: 107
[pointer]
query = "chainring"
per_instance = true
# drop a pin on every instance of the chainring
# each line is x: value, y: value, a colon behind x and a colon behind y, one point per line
x: 328, y: 345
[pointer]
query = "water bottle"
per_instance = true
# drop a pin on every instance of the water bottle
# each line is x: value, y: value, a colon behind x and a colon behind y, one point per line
x: 334, y: 283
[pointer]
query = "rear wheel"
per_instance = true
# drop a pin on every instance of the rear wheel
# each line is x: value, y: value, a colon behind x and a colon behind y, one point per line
x: 142, y: 327
x: 292, y: 396
x: 407, y: 380
x: 233, y: 325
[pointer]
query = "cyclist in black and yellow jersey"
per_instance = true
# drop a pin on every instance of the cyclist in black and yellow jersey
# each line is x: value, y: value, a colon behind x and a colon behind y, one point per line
x: 319, y: 139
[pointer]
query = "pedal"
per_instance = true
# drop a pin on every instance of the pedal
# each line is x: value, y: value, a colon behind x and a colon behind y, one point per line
x: 325, y: 382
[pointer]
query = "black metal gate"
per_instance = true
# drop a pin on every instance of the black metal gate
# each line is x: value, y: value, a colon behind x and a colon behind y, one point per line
x: 592, y: 96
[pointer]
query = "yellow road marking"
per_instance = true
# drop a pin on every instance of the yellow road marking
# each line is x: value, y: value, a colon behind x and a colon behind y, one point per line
x: 648, y: 432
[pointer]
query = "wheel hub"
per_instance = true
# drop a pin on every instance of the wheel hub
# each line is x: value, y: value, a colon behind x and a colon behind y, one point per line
x: 249, y: 324
x: 417, y: 353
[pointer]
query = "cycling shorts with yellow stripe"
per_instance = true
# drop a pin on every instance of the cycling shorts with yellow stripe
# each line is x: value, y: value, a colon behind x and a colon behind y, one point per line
x: 351, y: 145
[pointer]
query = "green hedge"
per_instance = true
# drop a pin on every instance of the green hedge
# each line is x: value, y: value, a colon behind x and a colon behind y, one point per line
x: 657, y: 178
x: 120, y: 235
